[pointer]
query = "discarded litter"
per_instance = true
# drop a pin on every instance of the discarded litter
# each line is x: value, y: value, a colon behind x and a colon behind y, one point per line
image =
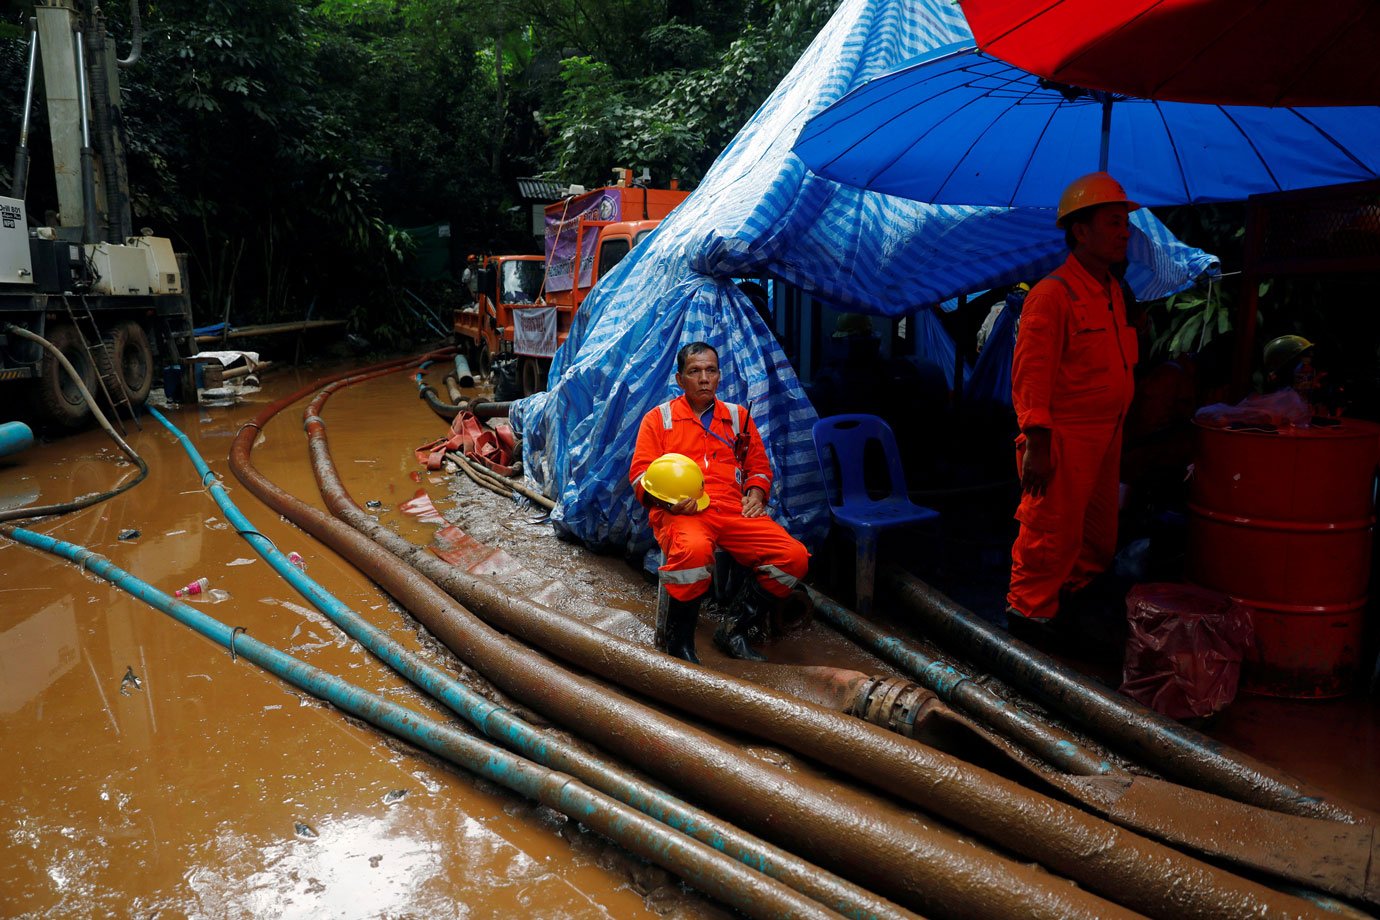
x: 420, y: 506
x: 197, y: 587
x: 296, y: 559
x: 374, y: 504
x: 395, y: 796
x: 130, y: 681
x: 130, y: 534
x: 305, y: 830
x: 243, y: 560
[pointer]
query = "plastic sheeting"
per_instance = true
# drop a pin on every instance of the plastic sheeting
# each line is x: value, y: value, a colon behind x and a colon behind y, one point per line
x: 1183, y: 657
x: 932, y: 343
x: 759, y: 212
x: 990, y: 380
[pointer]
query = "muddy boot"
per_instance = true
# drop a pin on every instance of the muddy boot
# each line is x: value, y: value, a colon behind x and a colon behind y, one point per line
x: 675, y: 631
x: 732, y: 635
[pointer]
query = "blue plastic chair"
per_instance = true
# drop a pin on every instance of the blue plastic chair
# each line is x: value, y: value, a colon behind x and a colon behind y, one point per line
x: 843, y: 440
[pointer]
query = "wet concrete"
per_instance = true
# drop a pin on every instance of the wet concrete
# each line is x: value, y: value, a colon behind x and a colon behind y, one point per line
x: 149, y: 774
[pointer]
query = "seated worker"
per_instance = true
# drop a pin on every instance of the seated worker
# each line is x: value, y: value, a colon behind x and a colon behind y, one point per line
x: 701, y: 470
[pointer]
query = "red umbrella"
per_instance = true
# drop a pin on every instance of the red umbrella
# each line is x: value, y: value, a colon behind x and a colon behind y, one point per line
x: 1229, y: 52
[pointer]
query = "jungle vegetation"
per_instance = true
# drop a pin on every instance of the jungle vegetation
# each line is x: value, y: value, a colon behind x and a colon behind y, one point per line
x: 283, y: 144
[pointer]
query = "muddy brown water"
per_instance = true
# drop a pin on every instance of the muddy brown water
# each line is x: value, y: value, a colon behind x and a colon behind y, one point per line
x: 208, y: 787
x: 149, y: 774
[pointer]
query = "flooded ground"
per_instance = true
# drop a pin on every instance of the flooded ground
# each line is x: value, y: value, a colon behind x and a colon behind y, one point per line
x: 151, y: 775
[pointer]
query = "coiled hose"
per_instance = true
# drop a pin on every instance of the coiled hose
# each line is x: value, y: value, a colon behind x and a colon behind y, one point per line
x: 86, y: 501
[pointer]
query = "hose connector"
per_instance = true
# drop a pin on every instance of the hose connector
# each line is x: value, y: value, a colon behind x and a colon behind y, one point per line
x: 894, y: 703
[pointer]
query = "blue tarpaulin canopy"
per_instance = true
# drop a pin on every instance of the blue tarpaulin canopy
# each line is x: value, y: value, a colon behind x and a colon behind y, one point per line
x: 760, y: 212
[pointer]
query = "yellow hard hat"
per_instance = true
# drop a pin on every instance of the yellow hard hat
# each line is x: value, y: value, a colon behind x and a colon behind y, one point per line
x: 1285, y: 350
x: 674, y: 477
x: 1090, y: 190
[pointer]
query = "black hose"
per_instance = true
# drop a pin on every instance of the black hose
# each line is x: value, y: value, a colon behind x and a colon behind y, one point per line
x: 136, y: 46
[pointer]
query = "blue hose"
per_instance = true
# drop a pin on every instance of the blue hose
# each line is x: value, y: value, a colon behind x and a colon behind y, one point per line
x: 702, y: 866
x: 514, y: 733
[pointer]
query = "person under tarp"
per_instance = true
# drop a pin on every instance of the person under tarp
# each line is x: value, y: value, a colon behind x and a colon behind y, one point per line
x: 702, y: 472
x: 759, y: 213
x: 1072, y: 383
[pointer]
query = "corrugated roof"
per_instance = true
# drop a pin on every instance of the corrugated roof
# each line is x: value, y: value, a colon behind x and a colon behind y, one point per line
x: 540, y: 189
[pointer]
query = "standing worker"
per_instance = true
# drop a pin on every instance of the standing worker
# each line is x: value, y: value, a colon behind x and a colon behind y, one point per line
x: 701, y: 470
x: 1071, y: 385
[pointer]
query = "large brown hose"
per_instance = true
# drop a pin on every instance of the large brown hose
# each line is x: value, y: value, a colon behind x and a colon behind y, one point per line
x: 1144, y: 874
x: 1168, y: 745
x: 882, y: 845
x: 1138, y: 872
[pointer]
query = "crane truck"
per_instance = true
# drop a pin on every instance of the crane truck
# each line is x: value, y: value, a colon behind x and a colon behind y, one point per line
x: 524, y: 304
x: 113, y: 302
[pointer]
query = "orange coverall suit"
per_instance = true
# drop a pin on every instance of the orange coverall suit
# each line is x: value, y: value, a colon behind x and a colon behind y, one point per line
x: 1072, y: 373
x: 688, y: 540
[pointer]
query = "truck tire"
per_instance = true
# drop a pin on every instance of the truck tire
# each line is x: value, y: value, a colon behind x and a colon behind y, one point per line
x: 532, y: 372
x: 129, y: 358
x: 527, y: 375
x: 483, y: 362
x: 56, y: 399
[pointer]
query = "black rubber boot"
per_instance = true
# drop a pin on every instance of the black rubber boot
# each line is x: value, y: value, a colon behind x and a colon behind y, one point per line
x: 678, y: 629
x: 732, y: 635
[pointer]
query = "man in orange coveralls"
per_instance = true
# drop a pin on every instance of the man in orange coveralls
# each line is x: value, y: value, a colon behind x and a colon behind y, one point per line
x: 723, y: 442
x: 1071, y: 384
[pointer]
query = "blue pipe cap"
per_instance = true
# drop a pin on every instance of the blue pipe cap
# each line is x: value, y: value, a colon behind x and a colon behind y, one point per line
x: 15, y: 437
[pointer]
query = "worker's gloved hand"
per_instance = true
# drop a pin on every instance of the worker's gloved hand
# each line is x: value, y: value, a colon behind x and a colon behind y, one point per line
x: 1037, y: 466
x: 754, y: 503
x: 684, y: 506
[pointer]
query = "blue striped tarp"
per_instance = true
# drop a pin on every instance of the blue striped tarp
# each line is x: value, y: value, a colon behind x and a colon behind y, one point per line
x: 760, y: 212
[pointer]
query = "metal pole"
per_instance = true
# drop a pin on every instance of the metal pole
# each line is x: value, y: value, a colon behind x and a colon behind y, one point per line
x: 91, y: 232
x: 1106, y: 131
x: 21, y: 153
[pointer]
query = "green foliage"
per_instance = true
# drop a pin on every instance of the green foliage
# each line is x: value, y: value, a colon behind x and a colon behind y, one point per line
x: 281, y: 143
x: 674, y: 120
x: 1191, y: 320
x: 1196, y: 317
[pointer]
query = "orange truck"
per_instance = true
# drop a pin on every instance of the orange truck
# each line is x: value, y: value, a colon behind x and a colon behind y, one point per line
x: 524, y: 305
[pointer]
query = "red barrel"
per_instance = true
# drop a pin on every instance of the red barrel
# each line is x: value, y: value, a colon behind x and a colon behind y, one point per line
x: 1283, y: 522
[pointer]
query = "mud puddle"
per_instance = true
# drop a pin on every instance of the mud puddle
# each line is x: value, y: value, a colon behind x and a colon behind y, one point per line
x: 150, y: 775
